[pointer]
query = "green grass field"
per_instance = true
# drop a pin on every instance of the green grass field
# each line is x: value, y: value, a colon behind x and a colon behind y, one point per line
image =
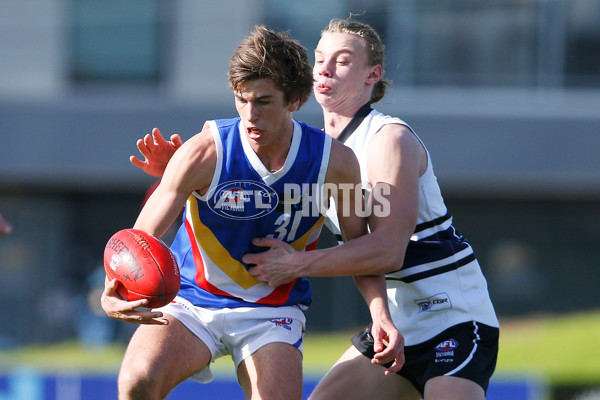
x: 563, y: 349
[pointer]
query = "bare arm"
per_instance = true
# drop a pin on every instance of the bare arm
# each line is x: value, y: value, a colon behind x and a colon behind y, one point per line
x: 280, y: 264
x: 189, y: 170
x: 396, y: 160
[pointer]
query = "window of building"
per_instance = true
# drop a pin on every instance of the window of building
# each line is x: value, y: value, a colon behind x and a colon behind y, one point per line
x: 582, y: 58
x: 116, y: 40
x: 495, y: 43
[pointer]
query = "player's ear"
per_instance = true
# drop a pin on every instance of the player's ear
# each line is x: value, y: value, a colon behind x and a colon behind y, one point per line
x: 375, y: 74
x: 294, y: 105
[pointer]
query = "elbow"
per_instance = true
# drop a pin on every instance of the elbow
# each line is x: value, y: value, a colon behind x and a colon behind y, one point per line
x: 391, y: 255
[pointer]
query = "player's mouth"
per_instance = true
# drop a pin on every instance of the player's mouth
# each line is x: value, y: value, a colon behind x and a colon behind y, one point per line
x: 322, y: 88
x: 254, y: 133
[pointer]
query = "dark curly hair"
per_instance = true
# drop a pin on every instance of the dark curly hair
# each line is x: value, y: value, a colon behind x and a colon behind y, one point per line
x: 272, y: 55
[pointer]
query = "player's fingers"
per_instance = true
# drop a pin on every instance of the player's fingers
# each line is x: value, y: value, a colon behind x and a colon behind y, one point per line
x: 383, y: 357
x: 110, y: 287
x: 149, y: 140
x: 157, y: 136
x: 176, y: 140
x: 396, y: 366
x: 378, y: 344
x: 143, y: 147
x: 133, y: 305
x: 272, y: 243
x: 137, y: 162
x: 253, y: 270
x: 143, y: 318
x: 251, y: 259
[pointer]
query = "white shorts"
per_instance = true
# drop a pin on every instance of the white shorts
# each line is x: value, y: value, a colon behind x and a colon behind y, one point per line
x: 238, y: 332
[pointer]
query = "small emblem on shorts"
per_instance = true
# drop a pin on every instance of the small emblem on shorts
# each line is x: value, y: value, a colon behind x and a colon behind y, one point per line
x: 447, y: 345
x: 444, y: 352
x: 437, y: 302
x: 283, y: 322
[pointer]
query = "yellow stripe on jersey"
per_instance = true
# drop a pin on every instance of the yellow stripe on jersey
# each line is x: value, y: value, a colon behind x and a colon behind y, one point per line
x: 219, y: 255
x: 301, y: 243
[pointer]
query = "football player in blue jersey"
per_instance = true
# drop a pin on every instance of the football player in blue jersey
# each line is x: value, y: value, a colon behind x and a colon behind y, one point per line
x: 438, y: 296
x: 230, y: 178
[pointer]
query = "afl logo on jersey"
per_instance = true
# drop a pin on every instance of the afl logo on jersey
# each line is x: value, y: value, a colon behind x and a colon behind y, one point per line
x: 447, y: 345
x: 242, y: 199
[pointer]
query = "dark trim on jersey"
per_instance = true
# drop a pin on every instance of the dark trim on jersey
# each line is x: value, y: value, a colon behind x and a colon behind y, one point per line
x: 360, y: 115
x: 436, y: 271
x: 430, y: 224
x: 438, y: 246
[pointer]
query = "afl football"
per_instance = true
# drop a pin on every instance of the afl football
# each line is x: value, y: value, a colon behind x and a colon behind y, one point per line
x: 143, y: 265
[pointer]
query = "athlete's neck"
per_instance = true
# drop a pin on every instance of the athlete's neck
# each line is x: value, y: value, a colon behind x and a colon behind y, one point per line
x: 336, y: 120
x: 274, y: 155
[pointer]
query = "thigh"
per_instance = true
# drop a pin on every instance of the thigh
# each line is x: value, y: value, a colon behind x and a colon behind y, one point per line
x: 272, y: 372
x: 354, y: 377
x: 164, y: 355
x: 452, y: 388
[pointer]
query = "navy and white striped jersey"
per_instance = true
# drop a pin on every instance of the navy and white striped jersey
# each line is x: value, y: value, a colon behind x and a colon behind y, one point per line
x: 440, y: 283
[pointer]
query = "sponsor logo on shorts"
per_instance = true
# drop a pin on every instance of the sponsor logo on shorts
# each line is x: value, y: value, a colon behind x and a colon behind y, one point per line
x: 447, y: 345
x: 437, y: 302
x: 285, y: 323
x: 444, y: 351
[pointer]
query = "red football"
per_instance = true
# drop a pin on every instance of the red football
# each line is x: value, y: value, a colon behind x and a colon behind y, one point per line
x: 144, y: 267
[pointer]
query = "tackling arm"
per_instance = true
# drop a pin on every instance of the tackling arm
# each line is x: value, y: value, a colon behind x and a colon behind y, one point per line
x: 396, y: 160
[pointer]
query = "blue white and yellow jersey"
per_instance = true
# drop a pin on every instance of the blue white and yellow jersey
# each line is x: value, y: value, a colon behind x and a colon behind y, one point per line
x: 246, y: 201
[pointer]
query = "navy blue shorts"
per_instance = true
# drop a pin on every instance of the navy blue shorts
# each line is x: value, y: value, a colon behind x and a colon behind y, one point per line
x: 468, y: 350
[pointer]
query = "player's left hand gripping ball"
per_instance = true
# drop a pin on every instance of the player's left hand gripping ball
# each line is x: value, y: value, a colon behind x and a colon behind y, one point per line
x: 144, y: 266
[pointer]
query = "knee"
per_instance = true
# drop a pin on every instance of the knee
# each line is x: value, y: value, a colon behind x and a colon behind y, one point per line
x: 134, y: 385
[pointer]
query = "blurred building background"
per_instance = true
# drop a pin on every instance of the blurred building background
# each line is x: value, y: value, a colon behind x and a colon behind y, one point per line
x: 505, y: 94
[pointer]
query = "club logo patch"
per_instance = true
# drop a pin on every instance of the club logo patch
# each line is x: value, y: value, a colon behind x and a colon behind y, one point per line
x: 242, y: 200
x: 447, y: 345
x: 444, y: 351
x: 285, y: 323
x: 437, y: 302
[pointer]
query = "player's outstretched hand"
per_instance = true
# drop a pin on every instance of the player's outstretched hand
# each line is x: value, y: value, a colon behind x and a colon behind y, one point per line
x: 156, y: 151
x: 123, y: 310
x: 388, y: 345
x: 275, y: 266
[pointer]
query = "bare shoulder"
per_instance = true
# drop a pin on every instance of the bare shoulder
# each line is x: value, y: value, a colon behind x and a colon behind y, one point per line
x: 396, y: 136
x: 395, y: 149
x: 338, y: 149
x: 343, y: 164
x: 193, y: 164
x: 200, y: 148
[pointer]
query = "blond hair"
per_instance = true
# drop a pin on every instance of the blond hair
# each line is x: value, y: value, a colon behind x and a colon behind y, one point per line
x: 374, y: 45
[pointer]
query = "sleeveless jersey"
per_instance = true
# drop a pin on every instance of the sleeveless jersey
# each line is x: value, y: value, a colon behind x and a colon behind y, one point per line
x: 246, y: 201
x: 440, y: 283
